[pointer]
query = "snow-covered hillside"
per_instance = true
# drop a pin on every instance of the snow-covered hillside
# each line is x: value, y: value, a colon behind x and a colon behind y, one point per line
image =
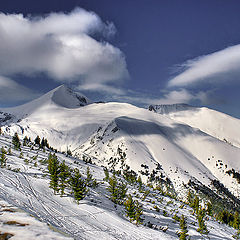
x: 216, y: 124
x: 25, y: 184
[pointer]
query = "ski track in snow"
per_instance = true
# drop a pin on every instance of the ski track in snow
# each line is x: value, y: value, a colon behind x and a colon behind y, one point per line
x: 82, y: 224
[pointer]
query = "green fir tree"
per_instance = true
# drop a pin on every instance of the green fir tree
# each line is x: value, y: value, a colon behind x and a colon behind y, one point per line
x: 64, y: 175
x: 78, y: 185
x: 3, y: 158
x: 130, y: 208
x: 53, y: 168
x: 201, y: 221
x: 183, y: 227
x: 16, y: 142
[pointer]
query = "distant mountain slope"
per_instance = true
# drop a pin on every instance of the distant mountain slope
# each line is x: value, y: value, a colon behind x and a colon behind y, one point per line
x: 216, y: 124
x: 104, y: 131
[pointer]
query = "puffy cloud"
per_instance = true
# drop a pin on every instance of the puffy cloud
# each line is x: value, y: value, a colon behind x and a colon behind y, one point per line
x: 218, y: 66
x: 11, y: 91
x: 62, y: 46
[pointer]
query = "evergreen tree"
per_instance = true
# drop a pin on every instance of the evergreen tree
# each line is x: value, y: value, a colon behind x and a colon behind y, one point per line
x: 90, y: 181
x: 209, y: 208
x: 37, y: 140
x: 25, y: 141
x: 138, y: 212
x: 42, y: 144
x: 196, y: 204
x: 139, y: 181
x: 122, y: 190
x: 236, y: 222
x: 69, y: 153
x: 53, y: 168
x: 9, y: 151
x: 63, y: 177
x: 16, y: 141
x: 130, y: 208
x: 117, y: 190
x: 183, y: 226
x: 133, y: 209
x: 113, y: 188
x: 3, y: 158
x: 46, y: 144
x: 201, y: 221
x: 106, y: 174
x: 78, y: 185
x: 190, y: 198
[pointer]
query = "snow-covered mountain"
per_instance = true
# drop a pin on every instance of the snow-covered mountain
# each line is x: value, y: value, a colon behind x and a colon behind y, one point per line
x: 214, y: 123
x: 183, y: 145
x: 99, y: 130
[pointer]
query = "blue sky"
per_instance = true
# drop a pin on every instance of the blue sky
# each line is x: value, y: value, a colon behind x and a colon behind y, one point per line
x: 138, y: 51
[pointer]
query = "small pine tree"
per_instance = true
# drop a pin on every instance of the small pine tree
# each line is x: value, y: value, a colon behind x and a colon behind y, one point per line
x: 64, y: 174
x: 46, y: 144
x: 42, y: 144
x: 130, y: 208
x: 133, y: 210
x: 9, y: 151
x: 79, y: 187
x: 53, y: 168
x: 183, y: 226
x: 90, y: 181
x: 3, y: 158
x: 209, y: 209
x: 196, y: 204
x: 69, y: 153
x: 117, y: 189
x: 122, y: 190
x: 236, y: 222
x: 106, y: 174
x: 16, y: 142
x: 190, y: 198
x: 201, y: 221
x: 113, y: 188
x: 139, y: 181
x: 21, y: 155
x: 138, y: 212
x: 25, y: 141
x: 37, y: 140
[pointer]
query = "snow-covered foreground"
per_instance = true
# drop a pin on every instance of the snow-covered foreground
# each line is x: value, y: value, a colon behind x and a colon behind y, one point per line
x: 18, y: 225
x: 25, y: 184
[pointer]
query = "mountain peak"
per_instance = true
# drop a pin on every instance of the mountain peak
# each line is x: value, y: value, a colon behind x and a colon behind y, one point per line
x: 61, y: 96
x: 66, y: 97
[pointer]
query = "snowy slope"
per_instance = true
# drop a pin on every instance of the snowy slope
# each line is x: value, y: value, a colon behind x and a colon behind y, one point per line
x: 99, y: 130
x: 217, y: 124
x: 24, y: 183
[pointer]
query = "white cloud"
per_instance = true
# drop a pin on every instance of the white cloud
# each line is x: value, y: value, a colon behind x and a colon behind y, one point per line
x: 101, y: 88
x: 60, y: 45
x: 178, y: 96
x: 11, y: 91
x: 219, y: 66
x: 168, y: 97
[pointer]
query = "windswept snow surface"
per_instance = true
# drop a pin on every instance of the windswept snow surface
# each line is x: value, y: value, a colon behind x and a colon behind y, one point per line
x: 216, y: 124
x: 25, y: 184
x: 99, y: 130
x: 20, y: 225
